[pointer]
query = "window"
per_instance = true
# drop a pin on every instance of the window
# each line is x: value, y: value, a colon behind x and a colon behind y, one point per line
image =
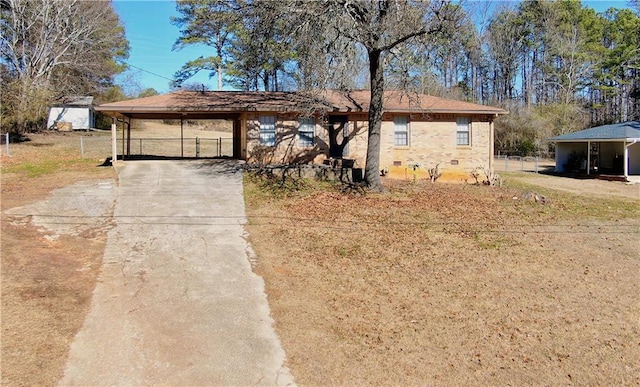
x: 463, y: 131
x: 268, y: 130
x: 401, y: 131
x: 306, y: 131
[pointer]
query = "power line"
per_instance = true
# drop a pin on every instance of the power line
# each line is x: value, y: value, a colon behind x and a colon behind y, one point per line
x: 149, y: 72
x: 339, y: 224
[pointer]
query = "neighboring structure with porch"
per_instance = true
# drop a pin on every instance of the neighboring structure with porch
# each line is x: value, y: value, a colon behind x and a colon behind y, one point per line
x: 418, y: 131
x: 612, y: 150
x: 72, y: 113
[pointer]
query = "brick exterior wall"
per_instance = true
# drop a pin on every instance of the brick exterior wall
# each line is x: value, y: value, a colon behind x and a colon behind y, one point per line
x: 432, y: 140
x: 287, y: 147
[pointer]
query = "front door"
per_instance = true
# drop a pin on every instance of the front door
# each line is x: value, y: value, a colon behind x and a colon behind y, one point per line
x: 338, y: 136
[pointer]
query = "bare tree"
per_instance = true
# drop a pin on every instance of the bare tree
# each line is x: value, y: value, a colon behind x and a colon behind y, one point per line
x: 378, y: 27
x: 53, y: 47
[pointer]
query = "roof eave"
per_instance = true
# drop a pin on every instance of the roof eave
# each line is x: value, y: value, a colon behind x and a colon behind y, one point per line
x: 467, y: 111
x: 596, y: 140
x: 430, y: 111
x: 231, y: 109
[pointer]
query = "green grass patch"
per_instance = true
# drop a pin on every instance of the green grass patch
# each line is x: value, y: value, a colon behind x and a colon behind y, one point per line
x: 33, y: 169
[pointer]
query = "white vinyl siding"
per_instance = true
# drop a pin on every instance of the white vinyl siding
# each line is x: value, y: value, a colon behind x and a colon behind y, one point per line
x: 463, y: 131
x: 401, y: 131
x: 306, y: 132
x: 268, y: 130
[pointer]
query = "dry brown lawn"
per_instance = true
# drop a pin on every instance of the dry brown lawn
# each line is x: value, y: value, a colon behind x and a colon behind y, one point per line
x: 427, y: 284
x: 46, y: 283
x: 442, y: 284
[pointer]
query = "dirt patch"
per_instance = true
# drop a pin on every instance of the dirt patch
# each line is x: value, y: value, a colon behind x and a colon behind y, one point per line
x: 452, y: 285
x: 48, y: 273
x: 191, y: 128
x: 46, y: 292
x: 590, y: 187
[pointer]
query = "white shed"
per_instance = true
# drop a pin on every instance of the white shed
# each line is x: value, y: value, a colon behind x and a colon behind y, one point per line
x: 72, y: 113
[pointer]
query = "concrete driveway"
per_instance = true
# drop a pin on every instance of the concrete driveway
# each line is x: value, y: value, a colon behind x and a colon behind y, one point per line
x: 177, y: 302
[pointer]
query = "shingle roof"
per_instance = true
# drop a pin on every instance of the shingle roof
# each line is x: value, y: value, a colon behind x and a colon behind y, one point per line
x: 398, y: 101
x: 328, y: 101
x: 623, y: 131
x: 75, y: 100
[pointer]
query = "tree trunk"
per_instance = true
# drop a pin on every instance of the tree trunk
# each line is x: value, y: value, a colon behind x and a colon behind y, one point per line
x: 372, y: 169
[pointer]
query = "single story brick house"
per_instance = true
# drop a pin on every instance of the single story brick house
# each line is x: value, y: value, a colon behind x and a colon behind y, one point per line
x: 418, y: 131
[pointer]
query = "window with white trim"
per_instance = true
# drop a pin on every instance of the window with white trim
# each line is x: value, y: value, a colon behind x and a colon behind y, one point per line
x: 463, y: 131
x: 401, y: 131
x: 268, y: 130
x: 306, y: 132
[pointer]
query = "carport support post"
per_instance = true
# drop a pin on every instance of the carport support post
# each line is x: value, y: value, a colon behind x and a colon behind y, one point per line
x: 114, y: 147
x: 123, y: 134
x: 625, y: 161
x: 588, y: 157
x: 181, y: 137
x: 128, y: 137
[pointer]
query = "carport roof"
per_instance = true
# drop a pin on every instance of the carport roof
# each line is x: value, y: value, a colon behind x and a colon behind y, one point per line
x: 625, y: 131
x: 183, y: 103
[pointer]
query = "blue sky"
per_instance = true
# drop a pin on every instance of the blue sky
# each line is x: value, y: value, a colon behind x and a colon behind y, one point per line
x: 151, y: 37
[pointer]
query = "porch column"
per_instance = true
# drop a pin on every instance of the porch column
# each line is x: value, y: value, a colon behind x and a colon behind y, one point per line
x: 237, y: 139
x: 243, y: 131
x: 588, y: 157
x: 123, y: 139
x: 491, y: 144
x: 181, y: 137
x: 129, y: 137
x: 114, y: 139
x: 625, y: 160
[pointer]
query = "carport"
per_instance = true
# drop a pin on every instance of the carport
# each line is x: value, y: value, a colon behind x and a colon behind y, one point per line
x: 202, y: 105
x: 603, y: 150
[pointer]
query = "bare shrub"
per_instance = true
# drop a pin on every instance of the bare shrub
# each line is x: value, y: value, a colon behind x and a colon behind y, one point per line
x: 485, y: 176
x: 434, y: 173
